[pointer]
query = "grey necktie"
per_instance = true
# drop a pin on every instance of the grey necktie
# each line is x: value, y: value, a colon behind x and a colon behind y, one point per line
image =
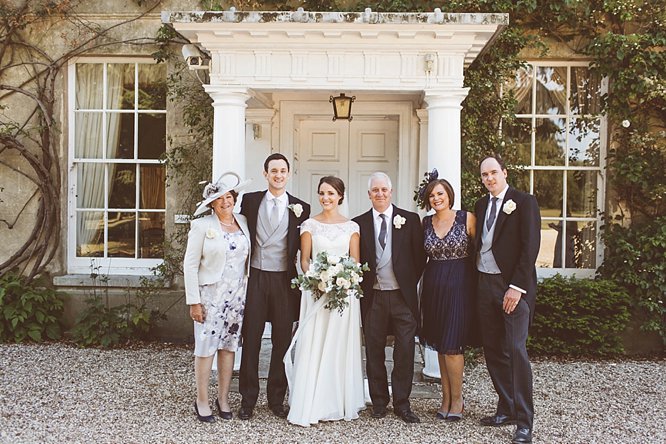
x: 275, y: 213
x: 493, y: 213
x: 382, y: 232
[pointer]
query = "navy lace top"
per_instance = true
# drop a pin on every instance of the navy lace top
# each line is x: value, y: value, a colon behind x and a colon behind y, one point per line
x: 454, y: 245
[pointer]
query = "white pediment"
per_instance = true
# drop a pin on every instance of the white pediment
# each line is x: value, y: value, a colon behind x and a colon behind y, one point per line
x: 331, y: 50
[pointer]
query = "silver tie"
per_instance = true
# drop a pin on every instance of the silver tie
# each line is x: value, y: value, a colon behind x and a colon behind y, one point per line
x: 275, y: 220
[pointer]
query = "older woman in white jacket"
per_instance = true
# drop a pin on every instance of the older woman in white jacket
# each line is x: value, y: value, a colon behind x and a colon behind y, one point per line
x: 216, y: 269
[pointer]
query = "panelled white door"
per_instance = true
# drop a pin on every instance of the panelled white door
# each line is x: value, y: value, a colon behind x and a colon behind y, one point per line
x: 349, y: 150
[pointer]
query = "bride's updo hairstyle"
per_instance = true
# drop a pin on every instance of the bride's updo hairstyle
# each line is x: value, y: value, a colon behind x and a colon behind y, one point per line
x: 337, y: 184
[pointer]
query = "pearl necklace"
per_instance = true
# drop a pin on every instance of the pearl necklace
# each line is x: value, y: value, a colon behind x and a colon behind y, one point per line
x: 231, y: 224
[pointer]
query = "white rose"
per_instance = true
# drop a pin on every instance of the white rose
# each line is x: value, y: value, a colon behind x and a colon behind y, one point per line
x: 322, y: 286
x: 342, y: 282
x: 211, y: 233
x: 333, y: 260
x: 626, y: 123
x: 398, y: 221
x: 297, y: 209
x: 324, y: 275
x: 509, y: 206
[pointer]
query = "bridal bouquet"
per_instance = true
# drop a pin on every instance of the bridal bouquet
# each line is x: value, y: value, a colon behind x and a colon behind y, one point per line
x: 335, y: 277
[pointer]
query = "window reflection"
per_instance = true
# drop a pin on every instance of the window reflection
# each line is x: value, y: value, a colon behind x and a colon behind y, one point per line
x: 551, y: 92
x: 550, y: 141
x: 584, y: 142
x: 122, y: 227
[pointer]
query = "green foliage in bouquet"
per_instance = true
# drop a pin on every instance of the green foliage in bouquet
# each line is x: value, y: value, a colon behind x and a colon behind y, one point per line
x: 335, y: 277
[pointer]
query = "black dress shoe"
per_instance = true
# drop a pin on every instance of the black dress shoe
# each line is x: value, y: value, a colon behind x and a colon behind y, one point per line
x: 379, y: 412
x: 497, y: 420
x: 278, y: 410
x: 523, y: 435
x: 245, y: 413
x: 208, y: 418
x: 408, y: 416
x: 223, y: 415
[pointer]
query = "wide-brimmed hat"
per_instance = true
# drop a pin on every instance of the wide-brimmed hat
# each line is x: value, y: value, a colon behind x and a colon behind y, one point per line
x: 228, y: 181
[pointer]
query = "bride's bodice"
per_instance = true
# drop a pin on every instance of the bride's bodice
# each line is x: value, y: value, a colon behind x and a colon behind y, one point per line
x: 331, y: 238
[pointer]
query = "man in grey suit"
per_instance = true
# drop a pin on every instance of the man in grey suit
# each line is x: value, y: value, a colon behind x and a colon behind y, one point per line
x: 274, y: 217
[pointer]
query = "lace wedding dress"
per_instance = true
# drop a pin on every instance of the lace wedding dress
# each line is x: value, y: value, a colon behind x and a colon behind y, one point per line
x: 326, y: 376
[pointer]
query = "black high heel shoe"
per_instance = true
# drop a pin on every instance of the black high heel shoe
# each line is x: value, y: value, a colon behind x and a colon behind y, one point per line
x: 208, y: 418
x: 453, y: 417
x: 223, y: 415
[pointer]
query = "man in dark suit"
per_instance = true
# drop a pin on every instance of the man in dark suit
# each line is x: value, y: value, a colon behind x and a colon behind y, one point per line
x: 392, y: 245
x: 273, y: 217
x: 507, y: 245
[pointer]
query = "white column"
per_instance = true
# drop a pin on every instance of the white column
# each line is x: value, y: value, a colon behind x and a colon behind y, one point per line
x: 444, y: 143
x: 228, y: 129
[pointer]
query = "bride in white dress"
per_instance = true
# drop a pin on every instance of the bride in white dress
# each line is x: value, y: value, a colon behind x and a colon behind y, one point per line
x: 326, y: 376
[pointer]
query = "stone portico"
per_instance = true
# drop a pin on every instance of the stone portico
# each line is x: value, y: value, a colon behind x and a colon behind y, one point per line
x: 407, y: 65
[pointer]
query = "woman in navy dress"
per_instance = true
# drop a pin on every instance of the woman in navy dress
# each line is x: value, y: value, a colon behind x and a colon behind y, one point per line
x: 446, y: 302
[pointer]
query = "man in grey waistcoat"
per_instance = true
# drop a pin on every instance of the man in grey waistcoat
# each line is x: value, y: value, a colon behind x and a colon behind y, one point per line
x: 274, y: 217
x: 392, y: 245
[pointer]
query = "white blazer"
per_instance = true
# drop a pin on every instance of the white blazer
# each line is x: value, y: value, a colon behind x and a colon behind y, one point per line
x: 206, y: 254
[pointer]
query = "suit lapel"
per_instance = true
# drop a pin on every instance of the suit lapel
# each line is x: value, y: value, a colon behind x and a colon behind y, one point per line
x: 396, y: 236
x: 501, y: 215
x: 368, y: 227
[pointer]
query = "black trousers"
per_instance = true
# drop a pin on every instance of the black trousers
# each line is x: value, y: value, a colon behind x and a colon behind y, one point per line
x: 389, y: 310
x: 505, y: 348
x: 269, y: 298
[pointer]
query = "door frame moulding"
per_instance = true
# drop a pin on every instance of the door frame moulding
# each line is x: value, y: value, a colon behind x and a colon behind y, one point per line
x: 291, y: 110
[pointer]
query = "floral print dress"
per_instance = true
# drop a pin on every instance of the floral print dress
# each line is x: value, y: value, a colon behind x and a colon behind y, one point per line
x: 224, y: 301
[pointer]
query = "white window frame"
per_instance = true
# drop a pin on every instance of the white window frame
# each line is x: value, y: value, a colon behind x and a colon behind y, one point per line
x: 543, y: 272
x: 102, y: 265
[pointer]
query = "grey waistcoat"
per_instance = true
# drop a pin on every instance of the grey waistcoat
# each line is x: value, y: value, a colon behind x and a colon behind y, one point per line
x: 270, y: 251
x: 385, y: 278
x: 485, y: 261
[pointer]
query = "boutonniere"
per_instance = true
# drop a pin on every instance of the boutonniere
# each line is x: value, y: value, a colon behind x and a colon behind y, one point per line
x: 509, y: 206
x: 296, y: 208
x: 398, y: 221
x: 211, y: 233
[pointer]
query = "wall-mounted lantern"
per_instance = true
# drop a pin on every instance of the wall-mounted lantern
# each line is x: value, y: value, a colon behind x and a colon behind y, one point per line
x: 342, y: 106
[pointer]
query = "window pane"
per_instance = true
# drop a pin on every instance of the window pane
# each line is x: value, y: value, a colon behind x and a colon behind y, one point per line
x: 550, y: 141
x: 153, y: 178
x: 519, y: 179
x: 586, y: 245
x: 122, y: 186
x: 88, y: 139
x: 121, y: 234
x: 90, y: 234
x: 120, y: 90
x: 582, y: 193
x: 585, y: 91
x: 521, y: 85
x: 89, y: 86
x: 551, y: 91
x: 548, y: 191
x: 152, y: 135
x: 90, y: 185
x: 151, y: 235
x: 121, y: 136
x: 563, y: 244
x: 546, y: 255
x: 520, y: 140
x: 584, y: 142
x: 152, y: 86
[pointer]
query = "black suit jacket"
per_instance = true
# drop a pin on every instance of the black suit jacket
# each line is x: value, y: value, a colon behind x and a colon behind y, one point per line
x: 250, y: 209
x: 516, y: 240
x: 407, y: 255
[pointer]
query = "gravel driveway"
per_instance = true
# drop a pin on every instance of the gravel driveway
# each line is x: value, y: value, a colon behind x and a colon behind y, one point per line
x: 57, y: 393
